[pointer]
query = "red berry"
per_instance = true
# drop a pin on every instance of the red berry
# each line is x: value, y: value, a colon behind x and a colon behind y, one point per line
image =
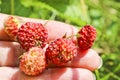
x: 11, y: 26
x: 61, y: 51
x: 32, y: 34
x: 33, y: 62
x: 87, y: 37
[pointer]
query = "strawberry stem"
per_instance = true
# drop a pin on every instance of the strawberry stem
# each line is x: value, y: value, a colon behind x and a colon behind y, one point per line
x: 20, y: 57
x: 46, y: 23
x: 65, y: 35
x: 71, y: 36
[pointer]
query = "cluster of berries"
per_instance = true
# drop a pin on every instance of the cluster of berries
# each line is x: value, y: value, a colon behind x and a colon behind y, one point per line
x: 33, y: 38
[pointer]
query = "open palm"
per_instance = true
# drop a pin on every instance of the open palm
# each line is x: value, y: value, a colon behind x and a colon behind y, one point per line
x: 79, y: 69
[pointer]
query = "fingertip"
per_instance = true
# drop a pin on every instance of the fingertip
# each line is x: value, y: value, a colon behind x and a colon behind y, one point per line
x: 101, y: 63
x: 88, y: 59
x: 86, y: 74
x: 91, y: 59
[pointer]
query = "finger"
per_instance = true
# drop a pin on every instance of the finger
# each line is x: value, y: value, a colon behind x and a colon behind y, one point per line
x: 88, y: 59
x: 10, y: 51
x: 7, y: 73
x: 55, y: 29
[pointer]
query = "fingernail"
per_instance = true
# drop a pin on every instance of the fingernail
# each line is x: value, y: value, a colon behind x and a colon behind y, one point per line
x: 101, y: 63
x: 94, y: 77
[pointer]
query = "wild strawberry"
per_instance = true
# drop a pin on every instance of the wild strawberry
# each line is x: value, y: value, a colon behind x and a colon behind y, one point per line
x: 33, y: 62
x: 11, y: 26
x: 32, y: 34
x: 87, y: 37
x: 61, y: 51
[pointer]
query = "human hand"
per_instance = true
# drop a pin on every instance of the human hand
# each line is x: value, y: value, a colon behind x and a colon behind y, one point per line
x: 79, y: 69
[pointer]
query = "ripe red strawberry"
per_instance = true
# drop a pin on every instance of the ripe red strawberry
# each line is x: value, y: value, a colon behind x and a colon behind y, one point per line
x: 33, y: 62
x: 11, y: 26
x: 87, y: 37
x: 61, y: 51
x: 32, y: 34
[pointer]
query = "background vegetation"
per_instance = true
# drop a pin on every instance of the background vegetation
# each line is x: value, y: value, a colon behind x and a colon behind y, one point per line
x: 103, y: 14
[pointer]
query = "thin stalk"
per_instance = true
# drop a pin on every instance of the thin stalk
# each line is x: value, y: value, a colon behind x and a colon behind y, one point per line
x: 51, y: 18
x: 12, y: 7
x: 97, y: 74
x: 84, y: 10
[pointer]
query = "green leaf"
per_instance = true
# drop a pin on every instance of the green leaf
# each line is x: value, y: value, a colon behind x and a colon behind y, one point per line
x: 19, y: 9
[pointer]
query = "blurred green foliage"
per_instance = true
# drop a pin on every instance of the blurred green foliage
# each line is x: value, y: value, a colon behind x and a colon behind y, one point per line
x: 103, y: 14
